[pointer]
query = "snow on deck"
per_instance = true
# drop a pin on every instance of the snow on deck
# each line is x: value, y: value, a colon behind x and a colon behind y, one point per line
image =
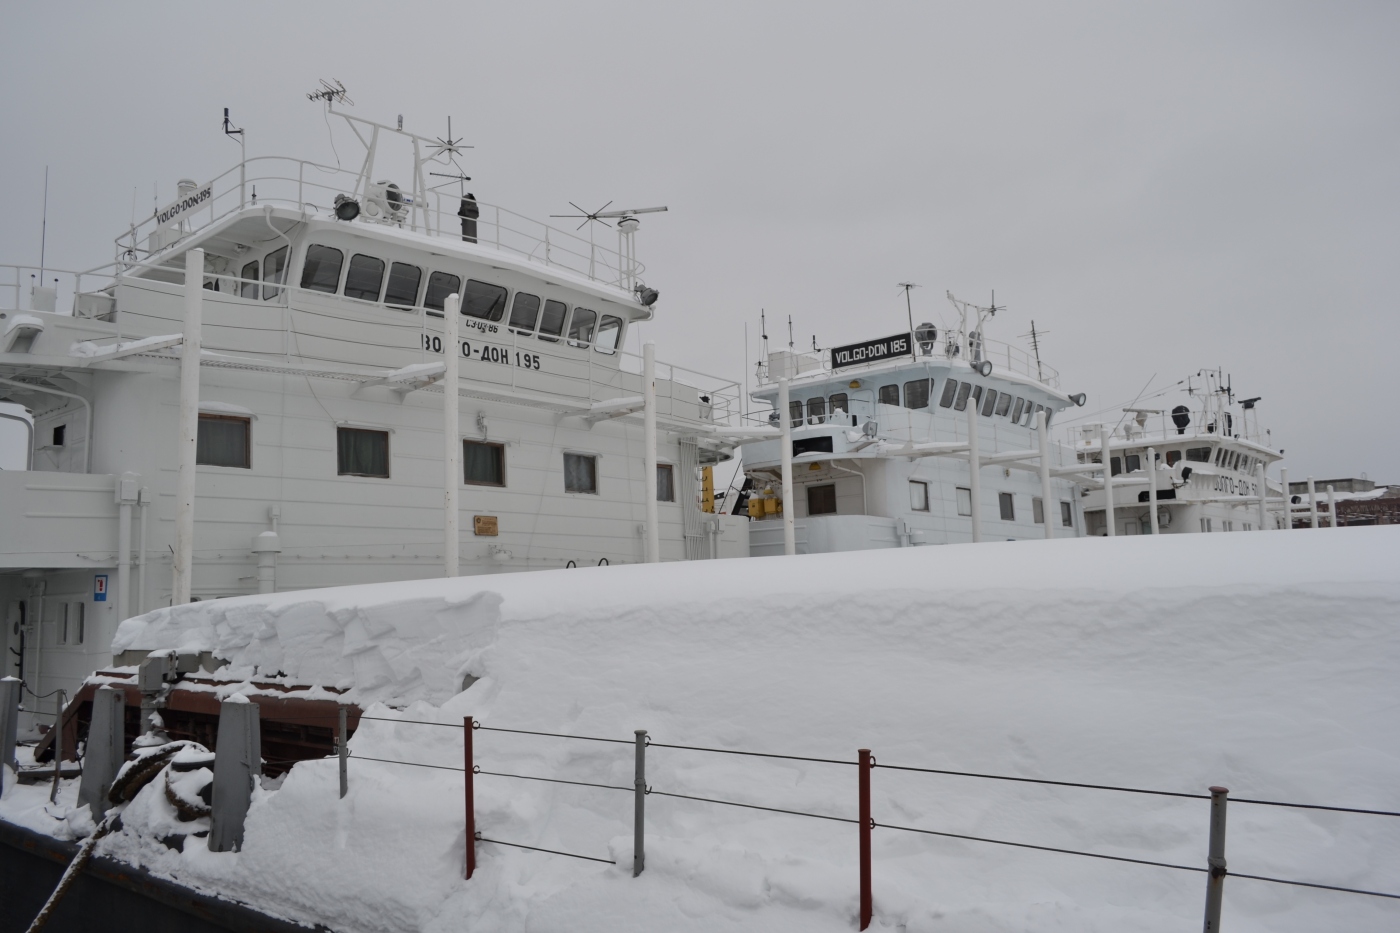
x: 1269, y: 663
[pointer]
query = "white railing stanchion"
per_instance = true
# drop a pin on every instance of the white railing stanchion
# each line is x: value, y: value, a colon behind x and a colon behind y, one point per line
x: 974, y: 469
x: 452, y: 448
x: 1105, y: 455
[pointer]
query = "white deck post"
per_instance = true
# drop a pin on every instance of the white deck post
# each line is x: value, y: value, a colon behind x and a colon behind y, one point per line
x: 1044, y: 437
x: 128, y: 492
x: 1287, y: 499
x: 785, y: 419
x: 1332, y: 504
x: 649, y: 451
x: 1312, y: 500
x: 145, y: 503
x: 188, y: 437
x: 1152, y: 488
x: 1105, y: 452
x: 1263, y: 497
x: 452, y: 447
x: 974, y: 469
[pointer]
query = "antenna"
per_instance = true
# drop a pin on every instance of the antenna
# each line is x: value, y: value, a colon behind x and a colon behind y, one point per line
x: 231, y: 131
x: 907, y: 286
x: 1035, y: 348
x: 330, y: 93
x: 763, y: 326
x: 44, y: 227
x: 790, y: 346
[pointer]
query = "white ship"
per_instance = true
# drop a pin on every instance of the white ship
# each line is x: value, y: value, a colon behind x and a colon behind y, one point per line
x: 320, y: 444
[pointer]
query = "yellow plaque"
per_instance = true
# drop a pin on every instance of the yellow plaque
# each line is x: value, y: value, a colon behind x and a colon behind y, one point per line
x: 485, y: 525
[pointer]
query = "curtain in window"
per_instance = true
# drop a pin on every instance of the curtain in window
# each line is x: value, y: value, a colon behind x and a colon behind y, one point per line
x: 363, y: 453
x: 580, y: 473
x: 483, y: 463
x: 222, y: 441
x: 665, y: 483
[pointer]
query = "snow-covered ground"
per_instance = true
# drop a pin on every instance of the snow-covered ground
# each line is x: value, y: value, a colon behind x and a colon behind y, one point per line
x: 1269, y: 663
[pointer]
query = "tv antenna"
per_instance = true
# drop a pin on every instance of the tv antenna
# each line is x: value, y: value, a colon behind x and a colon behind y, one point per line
x: 231, y: 131
x: 330, y: 93
x: 909, y: 286
x: 1035, y: 335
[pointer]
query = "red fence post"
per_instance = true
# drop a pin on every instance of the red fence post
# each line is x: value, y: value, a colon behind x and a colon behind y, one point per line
x: 471, y: 801
x: 867, y: 906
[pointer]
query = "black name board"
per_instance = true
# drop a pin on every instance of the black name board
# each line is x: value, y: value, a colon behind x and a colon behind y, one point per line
x: 870, y: 351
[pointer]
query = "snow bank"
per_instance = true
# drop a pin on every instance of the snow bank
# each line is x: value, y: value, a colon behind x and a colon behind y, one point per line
x: 1264, y: 662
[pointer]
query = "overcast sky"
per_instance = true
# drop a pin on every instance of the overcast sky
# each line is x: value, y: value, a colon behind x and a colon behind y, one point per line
x: 1161, y: 187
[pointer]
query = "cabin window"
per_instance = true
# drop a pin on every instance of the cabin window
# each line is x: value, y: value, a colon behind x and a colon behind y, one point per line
x: 1198, y: 454
x: 274, y: 272
x: 1235, y: 462
x: 1038, y: 409
x: 1219, y: 455
x: 889, y: 395
x: 223, y: 440
x: 609, y: 334
x: 483, y: 300
x: 989, y: 403
x: 248, y: 281
x: 840, y: 402
x: 1172, y: 457
x: 1003, y: 405
x: 524, y: 313
x: 665, y: 483
x: 1066, y: 514
x: 74, y: 623
x: 964, y: 391
x: 916, y: 393
x: 60, y: 433
x: 364, y: 278
x: 483, y: 463
x: 1038, y: 510
x: 581, y: 473
x: 918, y: 495
x: 440, y: 285
x: 964, y: 500
x: 816, y: 410
x: 821, y: 500
x: 1049, y: 413
x: 976, y: 397
x: 1134, y: 462
x: 950, y: 390
x: 1115, y: 465
x: 581, y: 327
x: 1008, y: 506
x: 362, y: 452
x: 404, y: 280
x: 552, y: 321
x: 795, y: 413
x: 1017, y: 410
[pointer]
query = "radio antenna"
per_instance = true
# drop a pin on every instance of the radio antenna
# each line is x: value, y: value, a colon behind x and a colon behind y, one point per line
x: 763, y: 329
x: 1035, y: 348
x: 907, y: 286
x: 44, y: 227
x: 790, y: 345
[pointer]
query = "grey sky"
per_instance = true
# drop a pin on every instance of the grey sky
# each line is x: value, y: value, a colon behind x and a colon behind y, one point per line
x: 1161, y: 187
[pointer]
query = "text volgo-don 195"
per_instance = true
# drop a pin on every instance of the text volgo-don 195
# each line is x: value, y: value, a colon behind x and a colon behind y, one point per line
x: 486, y: 353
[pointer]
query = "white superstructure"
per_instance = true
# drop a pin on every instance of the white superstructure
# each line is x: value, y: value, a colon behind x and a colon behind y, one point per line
x: 321, y: 401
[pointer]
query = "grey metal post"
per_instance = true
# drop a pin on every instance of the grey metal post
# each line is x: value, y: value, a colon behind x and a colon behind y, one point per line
x: 1215, y: 881
x: 10, y: 688
x: 237, y: 764
x: 57, y: 744
x: 343, y: 747
x: 639, y: 859
x: 105, y: 749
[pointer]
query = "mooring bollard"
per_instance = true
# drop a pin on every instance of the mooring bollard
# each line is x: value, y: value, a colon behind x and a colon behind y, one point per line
x: 639, y: 795
x: 106, y: 750
x: 467, y: 727
x: 10, y: 688
x: 867, y: 899
x: 237, y: 764
x: 342, y: 748
x: 1215, y: 881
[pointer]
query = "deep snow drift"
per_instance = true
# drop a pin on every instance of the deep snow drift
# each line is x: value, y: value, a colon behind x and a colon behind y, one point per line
x: 1269, y: 663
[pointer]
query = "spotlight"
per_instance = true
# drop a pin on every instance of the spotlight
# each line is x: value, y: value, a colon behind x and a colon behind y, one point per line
x: 983, y: 368
x: 647, y: 296
x: 926, y: 334
x: 346, y: 207
x: 1079, y: 398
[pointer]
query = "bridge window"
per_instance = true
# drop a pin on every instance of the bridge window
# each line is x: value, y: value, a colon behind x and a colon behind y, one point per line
x: 483, y: 300
x: 609, y: 334
x: 483, y: 464
x: 665, y: 483
x: 552, y: 321
x: 274, y: 272
x: 440, y: 285
x: 840, y: 402
x: 365, y: 276
x: 950, y: 390
x: 404, y: 280
x: 1066, y: 514
x: 964, y: 500
x: 1198, y: 454
x: 816, y: 410
x: 1134, y: 462
x: 795, y: 413
x: 916, y: 393
x: 1008, y: 506
x: 964, y: 391
x: 248, y: 281
x: 223, y: 440
x: 1003, y: 405
x: 581, y: 327
x: 918, y: 496
x: 362, y: 452
x: 581, y: 473
x: 1172, y: 457
x: 1115, y: 465
x: 889, y: 395
x: 524, y: 313
x: 989, y: 403
x: 821, y: 500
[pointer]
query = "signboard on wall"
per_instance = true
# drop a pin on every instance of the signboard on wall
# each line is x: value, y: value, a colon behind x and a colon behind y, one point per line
x: 871, y: 351
x: 99, y: 588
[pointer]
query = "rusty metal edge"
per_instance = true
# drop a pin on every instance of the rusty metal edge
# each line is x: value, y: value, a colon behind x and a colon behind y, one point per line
x: 232, y: 915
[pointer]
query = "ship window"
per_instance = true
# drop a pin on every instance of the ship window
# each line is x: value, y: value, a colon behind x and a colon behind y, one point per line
x: 1017, y: 410
x: 1219, y: 452
x: 816, y: 410
x: 1173, y: 456
x: 1038, y: 409
x: 362, y: 452
x: 581, y: 327
x: 1115, y: 465
x: 795, y: 413
x: 840, y: 402
x: 248, y: 284
x: 402, y: 291
x: 1008, y: 506
x: 665, y: 483
x: 483, y: 464
x: 1038, y: 510
x: 524, y: 313
x: 889, y: 395
x: 976, y: 397
x: 552, y: 321
x: 1134, y: 462
x: 918, y: 496
x: 222, y: 440
x: 483, y: 300
x: 1003, y: 405
x: 989, y: 403
x: 74, y: 623
x: 1198, y: 454
x: 964, y: 501
x: 59, y: 433
x: 364, y: 278
x: 950, y: 390
x: 916, y: 393
x: 275, y: 272
x: 1048, y: 413
x: 964, y: 391
x: 609, y: 334
x: 1235, y: 462
x: 440, y: 285
x: 821, y: 500
x: 581, y: 473
x: 1066, y: 514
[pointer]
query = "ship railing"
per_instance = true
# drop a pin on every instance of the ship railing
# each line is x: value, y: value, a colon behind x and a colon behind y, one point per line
x: 311, y: 187
x: 1002, y: 355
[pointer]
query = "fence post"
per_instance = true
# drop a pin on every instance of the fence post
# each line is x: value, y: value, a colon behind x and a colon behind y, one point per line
x: 10, y: 688
x: 343, y: 749
x: 467, y: 728
x: 105, y: 749
x: 1215, y: 881
x: 867, y: 900
x: 237, y: 765
x: 639, y: 796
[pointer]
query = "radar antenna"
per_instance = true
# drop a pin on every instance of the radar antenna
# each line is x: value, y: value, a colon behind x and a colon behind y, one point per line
x: 627, y: 224
x: 330, y: 93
